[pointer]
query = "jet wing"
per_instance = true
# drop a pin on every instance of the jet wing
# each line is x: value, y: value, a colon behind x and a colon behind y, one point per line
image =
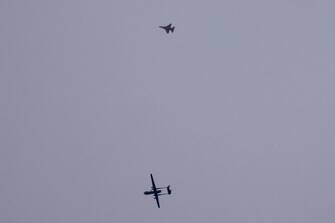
x: 157, y: 200
x: 166, y: 28
x: 153, y: 184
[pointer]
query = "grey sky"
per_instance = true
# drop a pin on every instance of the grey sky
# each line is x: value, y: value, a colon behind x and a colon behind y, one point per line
x: 235, y: 110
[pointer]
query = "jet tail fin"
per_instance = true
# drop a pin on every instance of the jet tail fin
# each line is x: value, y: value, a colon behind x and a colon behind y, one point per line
x: 172, y: 29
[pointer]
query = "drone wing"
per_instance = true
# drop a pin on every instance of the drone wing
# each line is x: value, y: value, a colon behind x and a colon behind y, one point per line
x: 153, y: 184
x: 157, y: 200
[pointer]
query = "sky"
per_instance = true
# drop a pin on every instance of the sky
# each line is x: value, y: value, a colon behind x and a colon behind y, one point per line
x: 235, y: 110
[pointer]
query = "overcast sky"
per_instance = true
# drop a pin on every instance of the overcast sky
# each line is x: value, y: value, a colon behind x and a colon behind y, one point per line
x: 235, y: 110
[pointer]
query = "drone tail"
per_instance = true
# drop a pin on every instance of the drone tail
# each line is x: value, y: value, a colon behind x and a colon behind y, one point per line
x: 169, y: 190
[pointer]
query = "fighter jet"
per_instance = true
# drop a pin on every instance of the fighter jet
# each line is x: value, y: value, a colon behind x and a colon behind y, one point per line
x: 167, y: 28
x: 157, y: 191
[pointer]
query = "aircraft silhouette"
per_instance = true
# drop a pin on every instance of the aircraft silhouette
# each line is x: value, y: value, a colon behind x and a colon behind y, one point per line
x: 156, y: 191
x: 168, y: 28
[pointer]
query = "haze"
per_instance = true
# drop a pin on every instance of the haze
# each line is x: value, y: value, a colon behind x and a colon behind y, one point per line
x: 235, y: 110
